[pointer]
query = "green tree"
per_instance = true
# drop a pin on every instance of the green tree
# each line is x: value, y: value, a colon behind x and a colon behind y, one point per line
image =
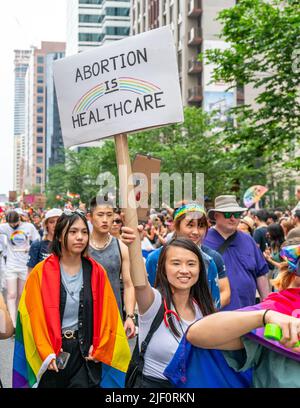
x: 264, y: 37
x: 191, y: 147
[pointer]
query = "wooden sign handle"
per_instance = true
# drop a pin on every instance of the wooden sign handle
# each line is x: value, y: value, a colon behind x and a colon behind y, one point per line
x: 126, y: 190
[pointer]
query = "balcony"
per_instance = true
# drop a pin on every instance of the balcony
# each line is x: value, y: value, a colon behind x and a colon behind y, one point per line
x: 195, y: 36
x: 194, y: 66
x: 195, y: 8
x: 195, y: 95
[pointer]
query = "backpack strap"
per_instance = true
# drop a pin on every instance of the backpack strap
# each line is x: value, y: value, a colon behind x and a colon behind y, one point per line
x: 226, y: 243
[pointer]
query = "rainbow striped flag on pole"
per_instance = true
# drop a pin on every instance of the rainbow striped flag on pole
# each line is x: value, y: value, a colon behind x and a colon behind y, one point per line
x: 38, y: 332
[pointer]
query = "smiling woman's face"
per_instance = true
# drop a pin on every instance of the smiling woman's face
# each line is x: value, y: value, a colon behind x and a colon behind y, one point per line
x: 182, y: 268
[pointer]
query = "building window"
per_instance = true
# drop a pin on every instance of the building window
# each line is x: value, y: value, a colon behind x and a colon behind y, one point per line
x: 39, y: 99
x: 39, y: 129
x: 88, y: 37
x: 38, y: 170
x: 90, y: 18
x: 40, y: 89
x: 40, y: 69
x: 39, y: 159
x: 38, y: 180
x: 39, y: 149
x: 40, y: 109
x: 117, y: 11
x: 40, y: 119
x: 40, y: 59
x: 40, y: 79
x: 90, y: 1
x: 39, y: 139
x: 117, y: 30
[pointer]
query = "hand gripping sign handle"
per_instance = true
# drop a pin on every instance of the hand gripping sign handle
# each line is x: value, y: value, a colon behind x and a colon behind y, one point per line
x: 127, y: 199
x: 274, y: 332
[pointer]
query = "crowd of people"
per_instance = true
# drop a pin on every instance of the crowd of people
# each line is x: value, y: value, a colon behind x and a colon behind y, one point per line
x: 69, y: 298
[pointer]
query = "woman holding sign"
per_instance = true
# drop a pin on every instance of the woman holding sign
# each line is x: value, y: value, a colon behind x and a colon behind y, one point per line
x: 242, y: 336
x: 180, y: 297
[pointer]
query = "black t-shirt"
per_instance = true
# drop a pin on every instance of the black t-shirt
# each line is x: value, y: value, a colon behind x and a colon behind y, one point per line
x: 260, y: 237
x: 39, y: 251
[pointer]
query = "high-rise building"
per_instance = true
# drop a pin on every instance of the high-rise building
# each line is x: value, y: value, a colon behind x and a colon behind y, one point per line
x: 42, y: 125
x: 92, y: 23
x: 21, y: 63
x: 194, y: 26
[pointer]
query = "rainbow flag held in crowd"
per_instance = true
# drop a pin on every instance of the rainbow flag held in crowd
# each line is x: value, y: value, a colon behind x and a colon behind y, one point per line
x: 38, y: 332
x: 194, y: 367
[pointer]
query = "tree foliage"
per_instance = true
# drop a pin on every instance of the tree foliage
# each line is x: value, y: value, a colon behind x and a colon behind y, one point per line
x: 191, y: 147
x: 264, y: 38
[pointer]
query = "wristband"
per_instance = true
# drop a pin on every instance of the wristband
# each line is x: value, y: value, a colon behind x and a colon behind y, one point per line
x: 132, y: 316
x: 264, y: 316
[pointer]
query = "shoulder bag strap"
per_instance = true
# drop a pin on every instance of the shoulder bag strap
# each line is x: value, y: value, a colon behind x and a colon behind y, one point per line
x: 226, y: 243
x: 154, y: 326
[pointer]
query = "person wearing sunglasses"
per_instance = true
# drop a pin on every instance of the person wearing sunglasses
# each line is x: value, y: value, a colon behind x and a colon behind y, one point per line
x: 116, y: 224
x: 246, y: 267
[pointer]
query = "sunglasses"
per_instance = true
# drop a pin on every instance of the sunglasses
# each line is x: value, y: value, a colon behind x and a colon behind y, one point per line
x: 228, y: 215
x: 69, y: 212
x: 117, y: 221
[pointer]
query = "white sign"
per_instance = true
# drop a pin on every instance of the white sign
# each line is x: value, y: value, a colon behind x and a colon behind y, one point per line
x: 125, y: 86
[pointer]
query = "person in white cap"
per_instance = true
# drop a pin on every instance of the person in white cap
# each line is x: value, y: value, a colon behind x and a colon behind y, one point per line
x: 246, y: 267
x: 19, y: 237
x: 40, y: 250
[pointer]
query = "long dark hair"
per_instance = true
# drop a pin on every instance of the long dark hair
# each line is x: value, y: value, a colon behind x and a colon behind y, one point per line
x: 199, y: 292
x: 63, y: 225
x: 276, y: 236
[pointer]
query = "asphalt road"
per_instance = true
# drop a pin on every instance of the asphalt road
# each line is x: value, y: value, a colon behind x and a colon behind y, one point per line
x: 6, y: 360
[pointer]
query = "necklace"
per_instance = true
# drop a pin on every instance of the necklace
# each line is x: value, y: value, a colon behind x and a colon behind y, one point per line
x: 103, y: 246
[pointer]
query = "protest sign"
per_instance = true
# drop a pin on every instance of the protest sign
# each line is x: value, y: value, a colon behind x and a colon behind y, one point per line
x: 126, y: 86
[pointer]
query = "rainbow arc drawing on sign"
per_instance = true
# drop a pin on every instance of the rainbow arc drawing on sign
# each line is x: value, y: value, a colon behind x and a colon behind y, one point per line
x: 127, y: 84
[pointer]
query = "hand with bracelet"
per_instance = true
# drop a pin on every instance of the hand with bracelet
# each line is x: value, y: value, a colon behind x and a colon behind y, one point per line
x: 129, y: 325
x: 290, y: 327
x: 235, y: 324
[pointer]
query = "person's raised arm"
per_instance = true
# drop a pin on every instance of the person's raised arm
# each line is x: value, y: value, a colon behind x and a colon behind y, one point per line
x: 144, y: 294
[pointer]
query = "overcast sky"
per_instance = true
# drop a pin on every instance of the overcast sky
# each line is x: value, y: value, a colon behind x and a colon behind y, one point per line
x: 23, y: 23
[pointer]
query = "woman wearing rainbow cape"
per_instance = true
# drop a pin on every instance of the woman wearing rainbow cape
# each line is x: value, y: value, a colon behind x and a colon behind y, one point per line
x: 240, y: 334
x: 68, y: 312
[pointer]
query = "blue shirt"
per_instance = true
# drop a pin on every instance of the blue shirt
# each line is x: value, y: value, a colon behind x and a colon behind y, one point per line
x: 221, y: 268
x: 244, y: 264
x: 39, y: 250
x: 211, y: 273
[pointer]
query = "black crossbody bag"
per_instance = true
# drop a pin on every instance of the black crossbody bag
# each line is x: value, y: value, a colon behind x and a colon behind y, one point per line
x: 136, y: 365
x: 226, y: 243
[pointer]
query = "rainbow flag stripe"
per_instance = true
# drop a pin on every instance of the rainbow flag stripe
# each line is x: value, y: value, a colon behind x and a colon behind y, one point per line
x: 38, y: 332
x: 89, y: 98
x: 137, y: 86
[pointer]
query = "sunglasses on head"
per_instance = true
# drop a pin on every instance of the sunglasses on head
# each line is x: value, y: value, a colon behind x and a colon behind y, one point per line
x: 228, y: 214
x: 117, y: 221
x: 69, y: 212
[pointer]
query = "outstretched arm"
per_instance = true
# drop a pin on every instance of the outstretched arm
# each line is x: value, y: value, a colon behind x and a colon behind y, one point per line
x: 223, y: 330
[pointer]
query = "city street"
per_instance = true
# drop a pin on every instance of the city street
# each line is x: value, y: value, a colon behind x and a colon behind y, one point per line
x: 6, y: 359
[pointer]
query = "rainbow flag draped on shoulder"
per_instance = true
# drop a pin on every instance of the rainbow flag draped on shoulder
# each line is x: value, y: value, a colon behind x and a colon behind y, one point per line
x: 38, y: 332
